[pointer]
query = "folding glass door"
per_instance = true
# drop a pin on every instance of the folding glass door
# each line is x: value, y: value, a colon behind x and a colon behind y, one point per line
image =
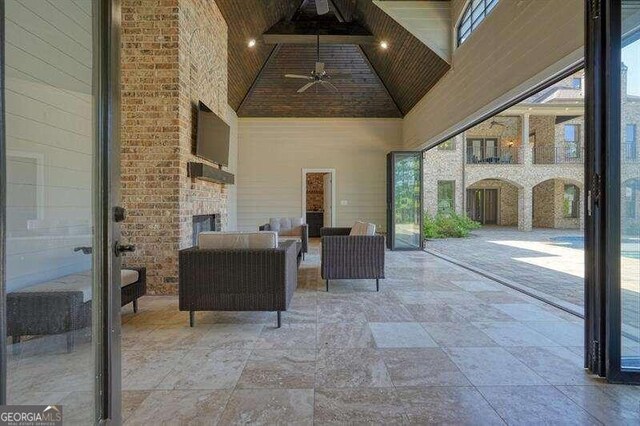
x: 404, y: 200
x: 613, y: 279
x: 60, y: 313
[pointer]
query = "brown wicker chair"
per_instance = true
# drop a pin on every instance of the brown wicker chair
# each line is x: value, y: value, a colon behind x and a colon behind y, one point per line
x: 238, y: 279
x: 351, y: 257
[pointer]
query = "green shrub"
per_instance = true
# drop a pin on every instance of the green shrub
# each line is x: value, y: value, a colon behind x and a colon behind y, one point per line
x: 448, y: 225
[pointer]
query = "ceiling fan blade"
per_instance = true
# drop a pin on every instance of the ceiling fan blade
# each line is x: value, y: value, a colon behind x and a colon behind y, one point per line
x: 329, y: 85
x: 322, y: 6
x: 306, y: 86
x: 303, y: 77
x: 319, y: 68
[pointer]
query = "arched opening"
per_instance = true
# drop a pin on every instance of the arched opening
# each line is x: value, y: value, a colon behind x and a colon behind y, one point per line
x: 557, y: 203
x: 493, y: 202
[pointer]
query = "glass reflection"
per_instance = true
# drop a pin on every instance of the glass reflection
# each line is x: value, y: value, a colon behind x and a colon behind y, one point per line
x: 630, y: 187
x: 407, y: 200
x: 48, y: 66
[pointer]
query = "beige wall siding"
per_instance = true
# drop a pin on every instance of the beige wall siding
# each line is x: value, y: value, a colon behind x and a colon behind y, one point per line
x: 520, y: 44
x: 49, y: 139
x: 273, y: 152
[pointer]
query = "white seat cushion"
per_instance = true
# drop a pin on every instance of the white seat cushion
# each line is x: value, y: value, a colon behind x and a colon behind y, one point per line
x: 238, y: 240
x: 75, y: 282
x: 128, y: 276
x: 363, y: 228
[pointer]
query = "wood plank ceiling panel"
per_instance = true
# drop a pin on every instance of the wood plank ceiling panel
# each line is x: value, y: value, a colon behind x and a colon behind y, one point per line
x: 248, y: 19
x: 361, y: 94
x: 384, y: 83
x: 408, y: 68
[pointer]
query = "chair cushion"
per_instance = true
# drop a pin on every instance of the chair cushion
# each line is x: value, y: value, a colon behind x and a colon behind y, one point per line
x: 285, y: 223
x: 363, y: 228
x: 238, y: 240
x: 128, y: 276
x: 274, y: 224
x: 75, y: 282
x: 296, y: 221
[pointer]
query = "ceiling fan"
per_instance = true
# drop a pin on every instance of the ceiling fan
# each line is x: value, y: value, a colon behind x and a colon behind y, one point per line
x: 319, y: 76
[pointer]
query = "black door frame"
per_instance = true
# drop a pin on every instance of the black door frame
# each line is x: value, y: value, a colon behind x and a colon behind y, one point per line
x: 603, y: 321
x: 3, y: 179
x: 107, y: 265
x: 106, y: 270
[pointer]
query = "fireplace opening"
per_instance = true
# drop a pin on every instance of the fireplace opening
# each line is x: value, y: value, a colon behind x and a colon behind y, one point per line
x: 205, y: 223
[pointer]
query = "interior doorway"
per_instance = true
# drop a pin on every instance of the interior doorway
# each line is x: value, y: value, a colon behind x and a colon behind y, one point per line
x: 318, y: 199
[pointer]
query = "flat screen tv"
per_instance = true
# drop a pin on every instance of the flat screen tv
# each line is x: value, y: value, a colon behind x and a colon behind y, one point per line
x: 212, y: 138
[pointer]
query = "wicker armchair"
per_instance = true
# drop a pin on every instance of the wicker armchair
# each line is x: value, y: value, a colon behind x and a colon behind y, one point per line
x: 238, y: 279
x: 351, y: 257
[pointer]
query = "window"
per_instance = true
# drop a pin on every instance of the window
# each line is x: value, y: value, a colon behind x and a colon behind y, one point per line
x: 630, y: 146
x: 473, y: 15
x: 446, y: 196
x: 571, y: 201
x: 572, y: 140
x: 576, y: 83
x: 448, y: 145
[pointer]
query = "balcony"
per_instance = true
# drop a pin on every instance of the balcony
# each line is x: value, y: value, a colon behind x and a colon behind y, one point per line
x: 550, y: 154
x: 491, y: 155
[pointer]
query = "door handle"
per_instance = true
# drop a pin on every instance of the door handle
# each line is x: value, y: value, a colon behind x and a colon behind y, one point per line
x: 123, y: 248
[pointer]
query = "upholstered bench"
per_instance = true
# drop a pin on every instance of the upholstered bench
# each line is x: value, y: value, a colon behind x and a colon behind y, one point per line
x: 64, y: 304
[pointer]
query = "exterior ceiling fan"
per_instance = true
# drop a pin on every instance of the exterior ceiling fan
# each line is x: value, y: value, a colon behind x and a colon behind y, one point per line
x: 319, y: 76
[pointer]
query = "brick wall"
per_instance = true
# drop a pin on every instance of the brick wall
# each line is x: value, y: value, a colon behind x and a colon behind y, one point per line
x: 315, y: 191
x: 166, y: 69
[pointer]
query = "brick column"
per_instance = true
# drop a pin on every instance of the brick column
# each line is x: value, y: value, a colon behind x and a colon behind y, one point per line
x: 527, y: 152
x: 525, y: 208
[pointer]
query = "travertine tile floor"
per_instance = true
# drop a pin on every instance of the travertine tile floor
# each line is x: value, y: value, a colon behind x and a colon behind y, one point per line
x: 437, y: 345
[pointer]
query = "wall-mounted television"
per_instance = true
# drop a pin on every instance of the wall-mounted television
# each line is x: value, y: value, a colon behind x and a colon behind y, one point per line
x: 212, y: 138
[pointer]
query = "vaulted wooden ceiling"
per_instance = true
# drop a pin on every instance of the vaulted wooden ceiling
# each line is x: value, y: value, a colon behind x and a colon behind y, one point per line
x: 382, y: 83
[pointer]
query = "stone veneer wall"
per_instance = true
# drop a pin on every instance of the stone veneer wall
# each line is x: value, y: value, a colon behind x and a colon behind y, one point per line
x: 544, y: 204
x: 315, y: 191
x: 166, y: 68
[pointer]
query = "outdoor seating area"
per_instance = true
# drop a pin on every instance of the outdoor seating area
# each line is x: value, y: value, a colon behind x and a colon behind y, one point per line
x: 320, y: 212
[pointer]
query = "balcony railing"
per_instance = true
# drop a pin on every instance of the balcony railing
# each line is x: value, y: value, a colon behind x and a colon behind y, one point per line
x: 558, y: 154
x: 505, y: 155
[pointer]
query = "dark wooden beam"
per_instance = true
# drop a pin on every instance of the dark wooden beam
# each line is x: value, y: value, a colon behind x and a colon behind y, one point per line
x: 306, y: 32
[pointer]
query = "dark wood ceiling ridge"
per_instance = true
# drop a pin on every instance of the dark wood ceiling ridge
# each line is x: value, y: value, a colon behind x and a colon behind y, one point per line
x: 272, y: 55
x: 340, y: 17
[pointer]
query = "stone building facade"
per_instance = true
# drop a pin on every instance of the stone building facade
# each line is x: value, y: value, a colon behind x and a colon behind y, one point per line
x: 525, y: 166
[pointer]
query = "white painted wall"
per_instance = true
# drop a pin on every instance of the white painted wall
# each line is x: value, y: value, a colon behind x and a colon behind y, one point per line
x: 273, y: 152
x: 520, y: 44
x: 49, y: 138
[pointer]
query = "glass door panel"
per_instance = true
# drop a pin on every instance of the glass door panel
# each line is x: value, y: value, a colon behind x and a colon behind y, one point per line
x: 405, y: 197
x: 630, y: 190
x: 57, y: 173
x: 49, y: 131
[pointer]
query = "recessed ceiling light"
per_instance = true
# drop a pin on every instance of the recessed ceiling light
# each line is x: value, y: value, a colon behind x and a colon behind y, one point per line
x: 384, y: 45
x: 252, y: 42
